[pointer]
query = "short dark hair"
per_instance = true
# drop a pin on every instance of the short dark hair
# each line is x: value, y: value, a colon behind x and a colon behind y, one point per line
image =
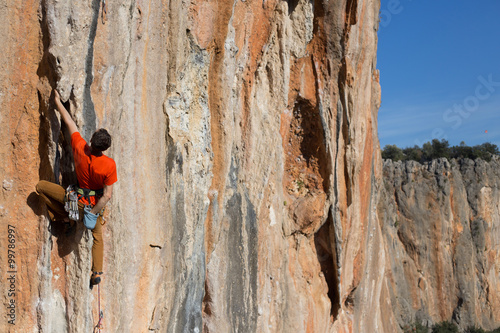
x: 101, y: 140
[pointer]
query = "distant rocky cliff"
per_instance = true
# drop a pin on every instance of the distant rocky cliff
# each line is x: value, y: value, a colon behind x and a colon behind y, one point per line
x: 441, y: 226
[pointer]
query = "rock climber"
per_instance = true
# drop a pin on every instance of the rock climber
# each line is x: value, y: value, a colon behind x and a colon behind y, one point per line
x: 96, y: 174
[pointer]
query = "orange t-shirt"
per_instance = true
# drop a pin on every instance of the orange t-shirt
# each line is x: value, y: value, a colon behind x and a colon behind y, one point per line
x: 93, y: 172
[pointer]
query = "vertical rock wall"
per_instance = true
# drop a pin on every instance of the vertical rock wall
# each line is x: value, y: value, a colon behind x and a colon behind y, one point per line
x: 245, y: 138
x: 441, y: 226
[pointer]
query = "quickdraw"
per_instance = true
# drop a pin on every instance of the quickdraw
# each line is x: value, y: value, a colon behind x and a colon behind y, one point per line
x: 71, y: 203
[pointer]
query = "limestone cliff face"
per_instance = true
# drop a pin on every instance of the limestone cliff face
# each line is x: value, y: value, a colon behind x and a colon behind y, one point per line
x: 248, y: 165
x: 441, y: 225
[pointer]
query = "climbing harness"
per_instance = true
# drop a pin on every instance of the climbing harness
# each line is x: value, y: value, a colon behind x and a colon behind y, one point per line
x: 71, y: 199
x: 87, y: 193
x: 104, y: 12
x: 98, y: 327
x: 89, y: 218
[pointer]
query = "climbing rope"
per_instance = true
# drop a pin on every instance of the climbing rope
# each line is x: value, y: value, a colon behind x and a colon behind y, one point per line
x: 104, y: 11
x: 98, y: 327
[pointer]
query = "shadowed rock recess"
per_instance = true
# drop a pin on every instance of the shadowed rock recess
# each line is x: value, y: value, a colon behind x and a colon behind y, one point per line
x: 250, y: 179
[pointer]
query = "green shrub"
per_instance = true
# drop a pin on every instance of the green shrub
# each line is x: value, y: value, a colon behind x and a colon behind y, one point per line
x: 445, y: 327
x: 415, y: 327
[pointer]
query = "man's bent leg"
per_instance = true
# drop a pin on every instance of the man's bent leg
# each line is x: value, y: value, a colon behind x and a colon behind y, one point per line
x: 53, y: 196
x: 97, y: 247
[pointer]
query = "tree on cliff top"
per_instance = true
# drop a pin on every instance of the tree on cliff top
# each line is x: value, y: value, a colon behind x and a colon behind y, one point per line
x: 393, y: 152
x: 437, y: 149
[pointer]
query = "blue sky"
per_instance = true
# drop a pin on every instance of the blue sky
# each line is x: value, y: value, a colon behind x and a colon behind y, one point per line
x: 439, y: 67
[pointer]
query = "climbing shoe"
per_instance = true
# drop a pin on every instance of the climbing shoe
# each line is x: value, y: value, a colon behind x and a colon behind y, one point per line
x: 95, y: 278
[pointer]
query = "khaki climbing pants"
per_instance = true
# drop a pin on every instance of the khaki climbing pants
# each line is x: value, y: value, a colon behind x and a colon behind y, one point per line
x: 53, y: 196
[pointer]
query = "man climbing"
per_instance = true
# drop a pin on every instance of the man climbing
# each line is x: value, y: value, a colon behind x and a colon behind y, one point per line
x: 96, y: 174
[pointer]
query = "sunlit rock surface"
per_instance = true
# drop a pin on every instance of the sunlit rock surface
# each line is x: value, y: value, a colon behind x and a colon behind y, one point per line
x: 250, y: 194
x: 441, y: 224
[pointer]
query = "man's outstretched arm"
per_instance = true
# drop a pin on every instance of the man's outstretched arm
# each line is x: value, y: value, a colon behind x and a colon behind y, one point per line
x: 66, y: 117
x: 108, y: 191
